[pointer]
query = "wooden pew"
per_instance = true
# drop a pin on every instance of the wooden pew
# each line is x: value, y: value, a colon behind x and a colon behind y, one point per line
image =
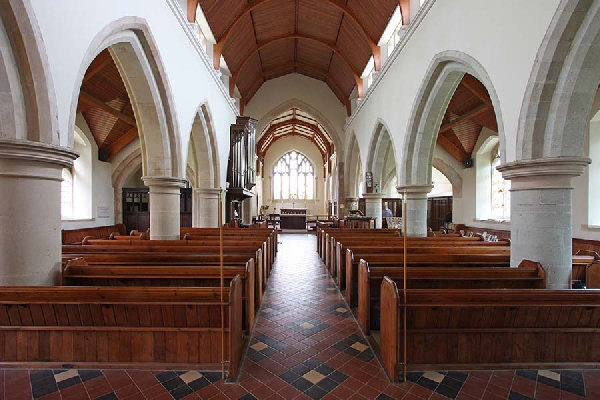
x: 415, y: 247
x: 172, y: 259
x: 75, y: 236
x: 186, y: 255
x: 349, y: 241
x: 457, y: 329
x: 109, y: 327
x: 416, y: 260
x: 184, y: 246
x: 78, y: 272
x: 529, y: 275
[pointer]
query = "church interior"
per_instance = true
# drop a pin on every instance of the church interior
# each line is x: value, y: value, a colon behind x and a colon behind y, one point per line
x: 299, y: 199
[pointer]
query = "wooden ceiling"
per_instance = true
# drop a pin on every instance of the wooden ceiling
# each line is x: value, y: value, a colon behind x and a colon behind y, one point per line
x: 329, y: 40
x: 105, y: 105
x: 295, y: 122
x: 469, y: 111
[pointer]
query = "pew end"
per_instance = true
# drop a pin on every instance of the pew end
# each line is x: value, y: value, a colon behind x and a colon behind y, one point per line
x: 390, y: 329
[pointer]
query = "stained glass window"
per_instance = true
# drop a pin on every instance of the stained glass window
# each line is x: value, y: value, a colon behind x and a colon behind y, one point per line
x: 500, y: 192
x: 293, y: 176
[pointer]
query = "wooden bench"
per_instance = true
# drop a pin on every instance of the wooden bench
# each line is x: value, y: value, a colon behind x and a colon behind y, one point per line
x: 529, y: 275
x: 457, y: 329
x: 337, y: 266
x: 416, y: 260
x: 184, y: 253
x: 109, y: 327
x: 171, y: 259
x: 230, y: 246
x: 78, y: 272
x: 75, y: 236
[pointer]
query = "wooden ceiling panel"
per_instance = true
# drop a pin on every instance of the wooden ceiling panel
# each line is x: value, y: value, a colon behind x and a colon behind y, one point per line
x: 252, y: 73
x: 221, y: 13
x: 313, y: 53
x: 341, y: 73
x: 280, y: 52
x: 351, y: 43
x: 469, y: 110
x: 315, y: 30
x: 241, y: 43
x: 373, y: 14
x: 278, y: 19
x: 328, y: 17
x: 105, y: 105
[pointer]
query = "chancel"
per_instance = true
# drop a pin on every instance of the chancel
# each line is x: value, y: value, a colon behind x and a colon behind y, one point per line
x: 324, y: 199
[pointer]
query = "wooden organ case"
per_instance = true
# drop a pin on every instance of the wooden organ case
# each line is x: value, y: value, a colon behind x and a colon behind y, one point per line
x: 241, y: 166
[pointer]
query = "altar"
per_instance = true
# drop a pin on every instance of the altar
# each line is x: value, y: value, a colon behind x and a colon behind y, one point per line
x: 292, y: 218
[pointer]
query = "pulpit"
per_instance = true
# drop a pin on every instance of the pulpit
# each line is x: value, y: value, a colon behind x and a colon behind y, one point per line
x: 293, y: 218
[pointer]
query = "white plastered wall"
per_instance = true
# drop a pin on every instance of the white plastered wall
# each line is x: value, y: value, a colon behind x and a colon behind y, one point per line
x: 102, y: 192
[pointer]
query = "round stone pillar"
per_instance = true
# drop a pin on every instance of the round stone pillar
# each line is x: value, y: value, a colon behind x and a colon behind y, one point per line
x: 373, y: 207
x: 30, y: 211
x: 164, y: 206
x: 416, y: 209
x: 205, y: 208
x: 540, y: 209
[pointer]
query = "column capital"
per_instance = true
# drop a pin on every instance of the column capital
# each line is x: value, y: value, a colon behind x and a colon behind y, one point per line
x: 543, y: 173
x: 164, y: 181
x: 28, y: 150
x: 207, y: 193
x: 372, y: 196
x: 350, y: 199
x: 414, y: 191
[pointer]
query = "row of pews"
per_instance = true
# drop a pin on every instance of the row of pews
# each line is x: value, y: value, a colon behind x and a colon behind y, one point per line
x: 126, y: 302
x: 465, y: 307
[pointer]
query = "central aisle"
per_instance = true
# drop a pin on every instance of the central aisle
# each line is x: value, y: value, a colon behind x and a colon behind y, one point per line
x: 306, y: 339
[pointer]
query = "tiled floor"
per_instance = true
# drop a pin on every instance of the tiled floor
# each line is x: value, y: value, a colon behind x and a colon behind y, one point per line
x: 306, y: 345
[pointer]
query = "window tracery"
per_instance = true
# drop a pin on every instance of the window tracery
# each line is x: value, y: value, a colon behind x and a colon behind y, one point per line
x: 293, y: 177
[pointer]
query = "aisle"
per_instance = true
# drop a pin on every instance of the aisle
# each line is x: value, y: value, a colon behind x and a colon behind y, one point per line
x: 306, y: 341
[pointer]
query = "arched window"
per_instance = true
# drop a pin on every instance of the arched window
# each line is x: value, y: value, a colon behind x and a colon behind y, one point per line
x: 66, y: 194
x: 293, y: 177
x: 500, y: 192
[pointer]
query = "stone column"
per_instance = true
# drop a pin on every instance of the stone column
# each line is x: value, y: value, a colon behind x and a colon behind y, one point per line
x: 416, y: 209
x: 373, y: 207
x: 30, y: 211
x: 540, y: 207
x: 205, y: 208
x: 164, y: 206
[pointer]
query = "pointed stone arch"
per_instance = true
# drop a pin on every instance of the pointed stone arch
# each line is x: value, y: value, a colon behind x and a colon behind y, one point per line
x: 445, y: 72
x: 562, y: 85
x: 380, y: 146
x: 29, y: 110
x: 136, y: 56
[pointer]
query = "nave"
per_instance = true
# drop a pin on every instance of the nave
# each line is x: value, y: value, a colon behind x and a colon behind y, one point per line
x: 306, y: 344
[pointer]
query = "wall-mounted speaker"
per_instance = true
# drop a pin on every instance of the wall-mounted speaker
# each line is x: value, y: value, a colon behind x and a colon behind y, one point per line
x: 468, y: 163
x: 103, y: 155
